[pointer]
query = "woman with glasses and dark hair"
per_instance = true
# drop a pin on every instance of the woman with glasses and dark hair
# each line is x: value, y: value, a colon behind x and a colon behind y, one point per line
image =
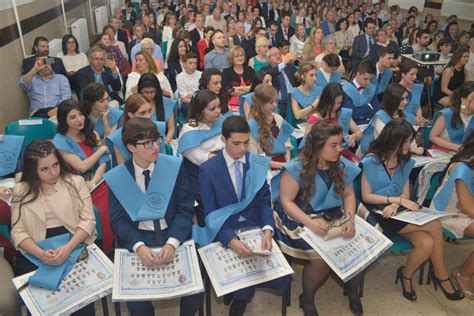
x: 385, y: 187
x: 73, y: 59
x: 162, y: 108
x: 315, y: 191
x: 50, y: 201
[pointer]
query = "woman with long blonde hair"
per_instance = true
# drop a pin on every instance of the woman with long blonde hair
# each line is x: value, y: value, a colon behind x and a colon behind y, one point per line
x: 314, y: 44
x: 270, y: 133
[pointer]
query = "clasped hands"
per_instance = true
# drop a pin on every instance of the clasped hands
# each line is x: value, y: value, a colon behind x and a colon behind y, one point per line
x: 150, y: 258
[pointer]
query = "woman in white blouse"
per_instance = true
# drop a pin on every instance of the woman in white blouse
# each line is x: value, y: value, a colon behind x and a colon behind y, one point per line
x: 298, y: 41
x: 72, y: 58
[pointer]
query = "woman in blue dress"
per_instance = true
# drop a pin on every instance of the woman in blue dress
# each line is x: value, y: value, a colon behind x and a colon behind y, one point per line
x: 456, y: 196
x: 452, y: 124
x: 316, y: 189
x: 385, y: 187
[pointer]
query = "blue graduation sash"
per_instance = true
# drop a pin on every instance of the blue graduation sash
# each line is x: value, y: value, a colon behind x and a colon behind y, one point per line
x: 115, y: 117
x: 369, y: 131
x: 387, y: 76
x: 10, y: 152
x: 415, y: 100
x: 116, y: 139
x: 379, y: 180
x: 306, y: 100
x: 66, y: 143
x: 458, y: 133
x: 322, y: 198
x: 279, y: 143
x: 194, y: 138
x: 461, y: 172
x: 359, y: 100
x: 49, y: 276
x: 169, y: 106
x: 254, y: 180
x: 321, y: 79
x: 246, y: 97
x: 343, y: 120
x: 153, y: 204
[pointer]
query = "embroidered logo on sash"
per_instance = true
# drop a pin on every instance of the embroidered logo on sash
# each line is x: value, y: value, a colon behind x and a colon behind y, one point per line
x: 155, y: 201
x: 343, y: 121
x: 7, y: 159
x: 395, y: 189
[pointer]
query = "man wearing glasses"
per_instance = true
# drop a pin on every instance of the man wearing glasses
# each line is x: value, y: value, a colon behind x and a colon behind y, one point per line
x: 157, y: 186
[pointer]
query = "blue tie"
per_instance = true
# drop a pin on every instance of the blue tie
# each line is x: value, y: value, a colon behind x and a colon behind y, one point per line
x: 238, y: 179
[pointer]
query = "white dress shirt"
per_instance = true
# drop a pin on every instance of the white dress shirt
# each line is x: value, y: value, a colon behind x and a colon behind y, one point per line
x: 229, y: 161
x: 148, y: 225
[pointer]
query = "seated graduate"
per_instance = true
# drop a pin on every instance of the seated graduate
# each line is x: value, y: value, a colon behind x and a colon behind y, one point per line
x: 135, y: 106
x: 263, y: 76
x: 104, y: 118
x: 329, y: 72
x: 407, y: 77
x: 149, y: 87
x: 316, y: 188
x: 200, y: 138
x: 383, y: 72
x: 80, y: 147
x: 360, y: 92
x: 451, y: 125
x: 329, y: 109
x: 269, y: 132
x: 385, y: 186
x: 223, y: 182
x: 79, y: 144
x: 169, y: 224
x: 50, y: 201
x: 458, y: 180
x: 392, y: 106
x: 303, y: 97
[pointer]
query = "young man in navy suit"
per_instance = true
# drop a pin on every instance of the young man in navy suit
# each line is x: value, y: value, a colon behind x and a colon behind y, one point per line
x: 142, y: 140
x: 222, y: 181
x: 360, y: 92
x: 285, y: 31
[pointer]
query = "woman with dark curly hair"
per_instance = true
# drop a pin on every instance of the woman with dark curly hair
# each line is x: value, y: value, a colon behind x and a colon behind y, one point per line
x: 316, y: 190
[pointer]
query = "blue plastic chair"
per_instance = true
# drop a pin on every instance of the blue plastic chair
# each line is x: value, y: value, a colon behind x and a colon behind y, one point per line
x: 32, y: 129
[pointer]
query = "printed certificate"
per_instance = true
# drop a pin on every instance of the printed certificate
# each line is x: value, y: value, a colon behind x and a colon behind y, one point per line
x: 135, y: 282
x: 421, y: 217
x: 88, y: 281
x: 349, y: 256
x: 229, y: 272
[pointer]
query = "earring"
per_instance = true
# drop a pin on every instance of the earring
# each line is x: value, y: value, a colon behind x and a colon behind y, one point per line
x: 463, y: 106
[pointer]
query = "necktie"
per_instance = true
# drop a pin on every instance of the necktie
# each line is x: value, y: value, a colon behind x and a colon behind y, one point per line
x: 360, y: 88
x: 156, y: 223
x: 286, y: 34
x: 273, y: 41
x: 238, y: 179
x: 380, y: 77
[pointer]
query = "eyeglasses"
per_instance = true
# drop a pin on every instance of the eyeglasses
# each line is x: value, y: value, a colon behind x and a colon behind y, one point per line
x: 71, y: 42
x: 149, y: 92
x: 149, y: 144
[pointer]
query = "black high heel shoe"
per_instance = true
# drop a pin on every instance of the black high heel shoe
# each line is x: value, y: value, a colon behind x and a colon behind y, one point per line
x: 408, y: 295
x: 455, y: 296
x: 308, y: 309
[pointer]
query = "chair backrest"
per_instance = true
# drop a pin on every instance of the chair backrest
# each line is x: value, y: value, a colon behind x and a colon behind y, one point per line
x: 427, y: 187
x: 32, y: 129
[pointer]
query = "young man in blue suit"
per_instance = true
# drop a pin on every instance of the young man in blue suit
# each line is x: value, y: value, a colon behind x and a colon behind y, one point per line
x: 167, y: 193
x: 360, y: 92
x: 222, y: 181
